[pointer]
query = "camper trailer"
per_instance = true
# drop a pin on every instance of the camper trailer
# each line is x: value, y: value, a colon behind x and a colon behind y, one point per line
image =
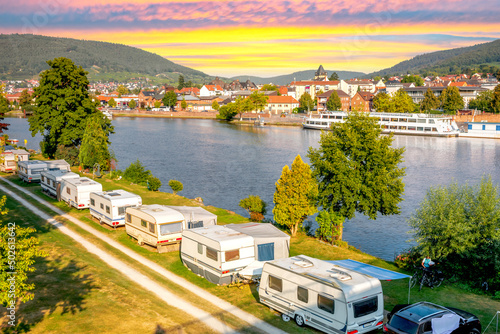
x: 109, y: 206
x: 156, y: 225
x: 31, y: 170
x: 10, y: 158
x: 224, y: 254
x: 76, y: 192
x: 195, y: 216
x: 50, y: 181
x: 322, y: 295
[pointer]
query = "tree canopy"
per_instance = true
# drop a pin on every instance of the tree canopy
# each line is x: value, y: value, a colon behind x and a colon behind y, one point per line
x: 333, y: 103
x: 430, y: 101
x: 255, y: 206
x: 94, y: 147
x: 334, y: 77
x: 169, y: 99
x: 64, y: 104
x: 451, y: 101
x: 483, y: 101
x: 357, y: 170
x: 295, y: 195
x: 257, y: 101
x: 4, y: 107
x: 306, y: 101
x: 495, y: 101
x: 416, y: 79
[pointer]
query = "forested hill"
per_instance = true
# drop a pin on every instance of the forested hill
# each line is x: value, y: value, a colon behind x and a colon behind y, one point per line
x: 302, y: 75
x: 448, y: 61
x: 24, y: 56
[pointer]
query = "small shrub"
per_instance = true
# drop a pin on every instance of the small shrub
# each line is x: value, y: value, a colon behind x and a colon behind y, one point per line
x: 255, y: 206
x: 154, y: 183
x: 176, y: 186
x: 408, y: 259
x: 137, y: 173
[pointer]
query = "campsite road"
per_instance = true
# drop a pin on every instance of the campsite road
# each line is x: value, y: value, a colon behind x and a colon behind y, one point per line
x: 222, y: 304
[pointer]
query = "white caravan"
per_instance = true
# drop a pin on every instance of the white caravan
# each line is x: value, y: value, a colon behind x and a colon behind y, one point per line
x: 109, y: 206
x: 10, y: 157
x: 76, y: 192
x: 51, y: 181
x: 224, y: 254
x: 31, y: 170
x: 155, y: 225
x: 195, y: 216
x: 322, y: 295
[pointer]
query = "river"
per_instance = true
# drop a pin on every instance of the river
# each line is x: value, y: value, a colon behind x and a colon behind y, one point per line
x: 224, y: 163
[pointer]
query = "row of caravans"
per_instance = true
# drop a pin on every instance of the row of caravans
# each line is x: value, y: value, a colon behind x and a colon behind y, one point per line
x: 313, y: 292
x: 31, y: 170
x: 10, y: 158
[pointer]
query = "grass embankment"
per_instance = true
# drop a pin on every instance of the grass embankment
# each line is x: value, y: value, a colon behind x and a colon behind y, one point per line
x: 395, y: 292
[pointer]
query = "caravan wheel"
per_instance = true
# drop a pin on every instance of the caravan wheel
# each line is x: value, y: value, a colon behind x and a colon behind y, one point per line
x: 285, y: 317
x: 299, y: 320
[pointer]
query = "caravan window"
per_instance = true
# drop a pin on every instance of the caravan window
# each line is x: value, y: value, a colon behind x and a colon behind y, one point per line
x: 326, y: 304
x: 265, y: 252
x: 200, y: 248
x: 92, y: 202
x: 144, y: 223
x: 68, y: 191
x: 43, y: 178
x: 128, y: 217
x: 275, y: 283
x: 212, y: 254
x: 170, y: 228
x: 232, y: 255
x: 107, y: 209
x: 121, y: 210
x: 102, y: 206
x: 302, y: 294
x: 365, y: 307
x: 151, y: 227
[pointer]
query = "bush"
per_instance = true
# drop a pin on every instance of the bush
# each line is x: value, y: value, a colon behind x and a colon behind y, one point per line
x: 255, y: 206
x: 176, y: 186
x: 137, y: 173
x: 408, y: 259
x: 154, y: 183
x: 329, y: 226
x: 68, y: 153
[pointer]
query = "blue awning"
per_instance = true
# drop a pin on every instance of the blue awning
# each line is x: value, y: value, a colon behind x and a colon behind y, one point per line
x: 380, y: 273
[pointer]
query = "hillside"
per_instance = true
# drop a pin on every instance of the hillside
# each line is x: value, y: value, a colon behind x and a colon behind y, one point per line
x: 25, y: 56
x: 302, y: 75
x: 448, y: 61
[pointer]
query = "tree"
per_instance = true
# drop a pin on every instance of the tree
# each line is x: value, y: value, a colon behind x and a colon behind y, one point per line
x: 112, y: 103
x: 64, y: 104
x: 170, y: 99
x: 137, y: 173
x: 154, y: 183
x: 382, y: 102
x: 333, y: 102
x: 416, y: 79
x: 157, y: 104
x: 94, y: 148
x: 4, y: 107
x: 258, y: 101
x: 181, y: 82
x: 25, y: 98
x: 18, y: 251
x: 176, y: 186
x: 334, y: 77
x: 402, y: 102
x: 295, y: 195
x: 122, y: 90
x: 270, y: 87
x: 430, y: 101
x: 132, y: 104
x: 183, y: 103
x: 357, y: 169
x: 451, y: 101
x: 460, y: 224
x: 255, y: 206
x: 495, y: 101
x: 329, y: 226
x: 306, y: 101
x: 227, y: 112
x: 215, y: 105
x: 483, y: 101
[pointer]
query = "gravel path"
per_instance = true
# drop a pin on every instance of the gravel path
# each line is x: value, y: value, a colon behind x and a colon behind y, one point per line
x: 208, y: 297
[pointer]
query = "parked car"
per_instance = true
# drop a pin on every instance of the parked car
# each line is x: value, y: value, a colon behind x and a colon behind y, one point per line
x: 425, y: 317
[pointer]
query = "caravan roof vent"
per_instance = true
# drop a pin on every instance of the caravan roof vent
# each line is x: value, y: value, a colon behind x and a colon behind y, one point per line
x: 303, y: 264
x: 157, y: 210
x: 113, y: 194
x: 340, y: 275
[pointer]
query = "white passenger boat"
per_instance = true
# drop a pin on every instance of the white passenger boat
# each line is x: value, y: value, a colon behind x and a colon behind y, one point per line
x: 402, y: 124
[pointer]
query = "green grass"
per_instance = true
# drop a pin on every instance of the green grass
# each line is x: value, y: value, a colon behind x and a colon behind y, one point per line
x: 395, y: 292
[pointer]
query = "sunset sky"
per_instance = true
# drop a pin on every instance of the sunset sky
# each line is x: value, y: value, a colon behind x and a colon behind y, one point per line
x: 265, y: 38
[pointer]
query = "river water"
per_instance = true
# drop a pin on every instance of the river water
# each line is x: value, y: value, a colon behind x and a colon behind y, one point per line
x: 224, y: 163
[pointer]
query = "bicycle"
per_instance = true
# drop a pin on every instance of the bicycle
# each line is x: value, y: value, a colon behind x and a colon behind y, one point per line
x: 432, y: 278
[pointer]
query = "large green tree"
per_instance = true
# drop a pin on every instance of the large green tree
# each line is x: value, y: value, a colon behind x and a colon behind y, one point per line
x: 255, y: 206
x: 170, y: 99
x: 382, y: 102
x: 460, y: 224
x: 416, y: 79
x: 333, y: 103
x: 295, y: 195
x: 430, y: 101
x: 25, y: 98
x: 483, y: 101
x: 64, y: 104
x: 215, y: 105
x: 4, y: 107
x: 495, y: 101
x: 227, y: 112
x: 94, y: 147
x: 306, y: 102
x: 451, y: 101
x: 334, y: 77
x: 181, y: 83
x: 357, y: 170
x: 258, y: 101
x: 402, y: 102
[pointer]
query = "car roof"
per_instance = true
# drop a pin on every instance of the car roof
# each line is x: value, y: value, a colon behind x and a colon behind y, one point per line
x: 419, y: 311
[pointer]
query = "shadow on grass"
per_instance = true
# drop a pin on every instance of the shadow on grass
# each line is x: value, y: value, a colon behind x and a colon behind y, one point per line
x: 59, y: 289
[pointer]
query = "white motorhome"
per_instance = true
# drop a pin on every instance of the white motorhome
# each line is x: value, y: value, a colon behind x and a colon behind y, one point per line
x: 76, y: 192
x: 156, y: 225
x: 51, y: 181
x: 109, y: 206
x: 31, y: 170
x: 322, y: 295
x: 10, y: 157
x: 223, y: 254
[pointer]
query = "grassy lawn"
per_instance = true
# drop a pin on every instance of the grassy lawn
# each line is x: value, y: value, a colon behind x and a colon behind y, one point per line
x: 246, y: 297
